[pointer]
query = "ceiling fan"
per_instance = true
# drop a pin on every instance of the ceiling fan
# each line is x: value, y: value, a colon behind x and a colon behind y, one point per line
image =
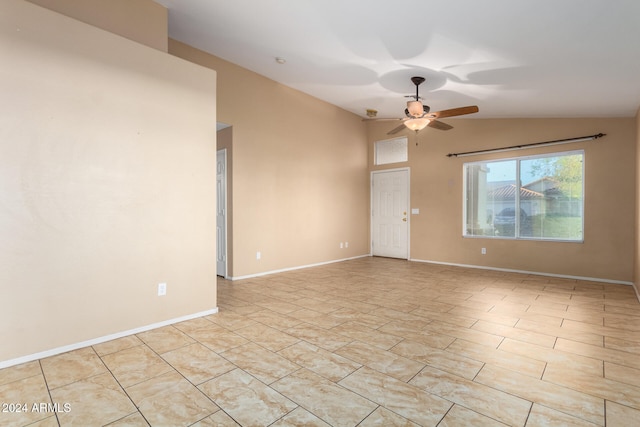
x: 418, y: 116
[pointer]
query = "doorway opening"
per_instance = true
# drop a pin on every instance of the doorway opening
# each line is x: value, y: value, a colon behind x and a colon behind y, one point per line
x: 224, y: 201
x: 221, y: 212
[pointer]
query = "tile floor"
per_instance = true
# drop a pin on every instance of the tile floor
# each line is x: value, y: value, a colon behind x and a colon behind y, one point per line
x: 367, y: 342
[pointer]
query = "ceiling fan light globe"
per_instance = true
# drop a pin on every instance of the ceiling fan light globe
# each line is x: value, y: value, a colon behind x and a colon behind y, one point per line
x: 417, y: 124
x: 415, y: 108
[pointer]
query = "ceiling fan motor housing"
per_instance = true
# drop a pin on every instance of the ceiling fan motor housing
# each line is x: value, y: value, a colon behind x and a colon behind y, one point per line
x: 415, y: 109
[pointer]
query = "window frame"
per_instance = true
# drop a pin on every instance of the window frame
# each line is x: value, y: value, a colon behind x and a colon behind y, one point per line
x: 518, y: 183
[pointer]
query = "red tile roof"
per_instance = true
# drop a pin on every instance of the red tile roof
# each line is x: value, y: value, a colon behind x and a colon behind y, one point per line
x: 508, y: 192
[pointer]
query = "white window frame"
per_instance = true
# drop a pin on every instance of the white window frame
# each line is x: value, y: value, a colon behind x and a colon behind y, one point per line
x: 518, y: 183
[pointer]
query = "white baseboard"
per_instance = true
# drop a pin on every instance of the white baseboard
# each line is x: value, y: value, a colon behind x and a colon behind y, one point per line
x: 635, y: 288
x: 300, y: 267
x: 66, y: 348
x: 537, y: 273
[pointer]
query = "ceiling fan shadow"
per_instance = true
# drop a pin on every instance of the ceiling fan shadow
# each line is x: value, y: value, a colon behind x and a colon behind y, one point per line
x: 508, y: 77
x: 396, y: 81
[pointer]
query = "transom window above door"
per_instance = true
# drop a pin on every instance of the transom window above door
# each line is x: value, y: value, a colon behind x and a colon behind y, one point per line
x: 391, y: 151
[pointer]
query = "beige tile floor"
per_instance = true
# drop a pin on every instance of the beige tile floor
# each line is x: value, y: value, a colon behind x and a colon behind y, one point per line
x: 368, y: 342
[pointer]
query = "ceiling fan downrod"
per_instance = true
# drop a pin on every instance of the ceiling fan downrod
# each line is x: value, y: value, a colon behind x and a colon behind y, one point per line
x: 417, y: 81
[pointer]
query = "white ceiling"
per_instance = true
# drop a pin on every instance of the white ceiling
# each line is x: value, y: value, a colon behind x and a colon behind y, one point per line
x: 512, y: 58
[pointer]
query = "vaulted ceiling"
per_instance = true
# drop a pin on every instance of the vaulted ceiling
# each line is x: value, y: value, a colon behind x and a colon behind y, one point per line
x: 543, y: 58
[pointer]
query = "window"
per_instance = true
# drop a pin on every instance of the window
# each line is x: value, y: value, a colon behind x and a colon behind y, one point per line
x: 538, y: 197
x: 391, y: 151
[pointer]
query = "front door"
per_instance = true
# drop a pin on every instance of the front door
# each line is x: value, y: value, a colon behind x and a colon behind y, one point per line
x: 389, y: 219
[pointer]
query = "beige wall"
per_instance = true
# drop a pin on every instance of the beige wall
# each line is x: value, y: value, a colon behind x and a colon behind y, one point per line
x: 143, y: 21
x: 107, y: 183
x: 300, y: 174
x: 436, y: 189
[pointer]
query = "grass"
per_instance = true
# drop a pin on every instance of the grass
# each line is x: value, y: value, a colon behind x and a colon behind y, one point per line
x: 553, y: 227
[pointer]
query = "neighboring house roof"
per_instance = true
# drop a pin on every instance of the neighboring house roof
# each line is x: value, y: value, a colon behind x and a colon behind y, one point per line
x: 543, y: 184
x: 492, y: 185
x: 548, y: 186
x: 508, y: 192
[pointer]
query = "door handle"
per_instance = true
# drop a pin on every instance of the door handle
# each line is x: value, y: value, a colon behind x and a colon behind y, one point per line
x: 404, y: 219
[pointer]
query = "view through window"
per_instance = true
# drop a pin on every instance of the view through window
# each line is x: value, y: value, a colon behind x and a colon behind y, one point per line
x: 538, y: 197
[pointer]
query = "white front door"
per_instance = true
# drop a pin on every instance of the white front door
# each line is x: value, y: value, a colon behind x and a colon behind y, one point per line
x: 389, y: 213
x: 221, y: 213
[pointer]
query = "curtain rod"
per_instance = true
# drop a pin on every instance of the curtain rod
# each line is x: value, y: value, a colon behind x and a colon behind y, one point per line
x: 533, y: 144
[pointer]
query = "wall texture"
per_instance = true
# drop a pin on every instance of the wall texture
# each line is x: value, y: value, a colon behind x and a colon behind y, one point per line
x: 107, y: 183
x: 143, y: 21
x: 300, y: 178
x: 437, y: 190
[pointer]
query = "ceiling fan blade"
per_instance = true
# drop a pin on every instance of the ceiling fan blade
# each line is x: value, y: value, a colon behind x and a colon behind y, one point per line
x: 453, y: 112
x: 436, y: 124
x: 396, y: 129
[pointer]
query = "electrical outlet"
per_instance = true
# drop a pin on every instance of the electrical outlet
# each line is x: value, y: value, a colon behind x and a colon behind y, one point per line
x: 258, y: 255
x: 162, y: 289
x: 341, y: 245
x: 483, y: 251
x: 346, y: 244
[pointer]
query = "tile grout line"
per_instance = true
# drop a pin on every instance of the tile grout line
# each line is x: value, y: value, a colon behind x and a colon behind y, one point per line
x: 46, y: 383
